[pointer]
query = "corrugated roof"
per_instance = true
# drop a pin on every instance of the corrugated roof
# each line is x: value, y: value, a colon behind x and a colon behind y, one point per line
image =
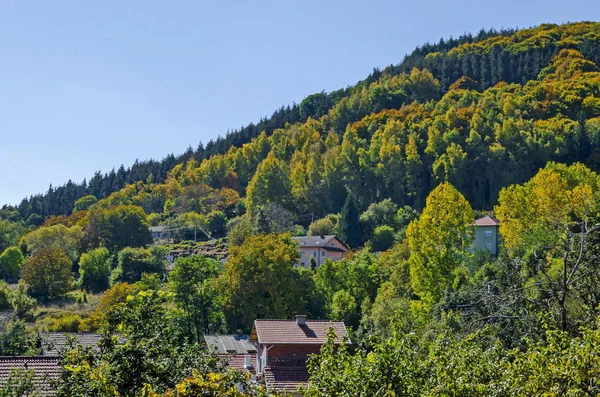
x: 289, y: 379
x: 289, y: 332
x: 486, y: 221
x: 54, y: 342
x: 46, y: 371
x: 230, y: 344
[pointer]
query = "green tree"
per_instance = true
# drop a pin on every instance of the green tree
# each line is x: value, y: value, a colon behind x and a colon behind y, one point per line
x: 117, y: 227
x: 11, y: 262
x: 350, y: 228
x: 15, y: 340
x: 5, y: 296
x: 10, y: 232
x: 133, y: 262
x: 437, y: 240
x: 141, y: 346
x: 270, y: 183
x: 66, y: 239
x: 238, y: 230
x: 20, y: 383
x: 84, y: 203
x: 21, y: 302
x: 379, y: 214
x: 94, y: 270
x: 48, y: 273
x: 246, y: 295
x: 192, y: 282
x: 217, y: 222
x: 552, y: 221
x: 322, y: 227
x: 383, y: 238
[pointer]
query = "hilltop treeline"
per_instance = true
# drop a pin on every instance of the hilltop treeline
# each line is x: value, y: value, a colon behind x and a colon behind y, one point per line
x: 485, y: 59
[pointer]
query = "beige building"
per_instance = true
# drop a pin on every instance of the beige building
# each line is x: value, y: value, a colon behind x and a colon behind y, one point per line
x: 320, y: 248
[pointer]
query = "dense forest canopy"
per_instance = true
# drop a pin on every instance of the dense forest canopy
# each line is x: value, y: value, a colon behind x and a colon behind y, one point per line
x: 471, y: 62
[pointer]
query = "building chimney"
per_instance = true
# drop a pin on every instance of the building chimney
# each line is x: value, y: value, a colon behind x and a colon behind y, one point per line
x: 247, y: 361
x: 301, y: 319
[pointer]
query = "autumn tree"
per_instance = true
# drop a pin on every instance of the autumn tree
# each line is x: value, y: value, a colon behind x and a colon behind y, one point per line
x: 437, y: 240
x: 48, y: 273
x: 270, y: 183
x: 246, y: 295
x: 552, y: 221
x: 66, y: 239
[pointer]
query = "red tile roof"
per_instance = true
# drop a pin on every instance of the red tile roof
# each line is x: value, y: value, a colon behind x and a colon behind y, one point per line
x: 486, y: 221
x: 287, y: 379
x: 46, y: 371
x: 314, y: 332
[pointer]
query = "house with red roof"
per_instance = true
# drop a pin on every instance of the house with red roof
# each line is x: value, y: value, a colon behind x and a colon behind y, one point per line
x: 487, y: 234
x: 283, y: 346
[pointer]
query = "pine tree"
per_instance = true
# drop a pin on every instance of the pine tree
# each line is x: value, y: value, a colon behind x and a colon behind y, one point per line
x: 350, y: 227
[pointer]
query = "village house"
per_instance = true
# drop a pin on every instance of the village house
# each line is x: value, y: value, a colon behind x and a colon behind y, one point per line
x: 320, y: 248
x: 237, y: 350
x: 283, y: 346
x: 53, y: 343
x: 160, y: 233
x: 487, y: 235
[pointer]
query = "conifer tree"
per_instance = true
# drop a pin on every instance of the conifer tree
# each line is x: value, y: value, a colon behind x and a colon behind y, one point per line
x: 350, y: 227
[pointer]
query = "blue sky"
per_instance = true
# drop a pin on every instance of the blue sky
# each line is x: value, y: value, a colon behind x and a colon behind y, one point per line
x: 87, y: 86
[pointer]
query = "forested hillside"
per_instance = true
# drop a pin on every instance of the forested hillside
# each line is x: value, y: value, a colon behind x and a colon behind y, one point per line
x: 398, y: 167
x: 486, y: 59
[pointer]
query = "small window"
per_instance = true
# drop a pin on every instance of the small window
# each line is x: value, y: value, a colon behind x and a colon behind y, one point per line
x: 488, y: 233
x: 315, y: 254
x: 488, y: 246
x: 323, y: 253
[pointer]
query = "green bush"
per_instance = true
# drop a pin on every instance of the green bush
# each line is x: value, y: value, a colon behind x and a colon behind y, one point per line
x: 383, y: 238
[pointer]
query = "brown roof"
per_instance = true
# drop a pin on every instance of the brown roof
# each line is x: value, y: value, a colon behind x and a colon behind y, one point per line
x: 287, y: 379
x: 486, y: 221
x: 46, y: 371
x: 236, y: 361
x: 314, y: 332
